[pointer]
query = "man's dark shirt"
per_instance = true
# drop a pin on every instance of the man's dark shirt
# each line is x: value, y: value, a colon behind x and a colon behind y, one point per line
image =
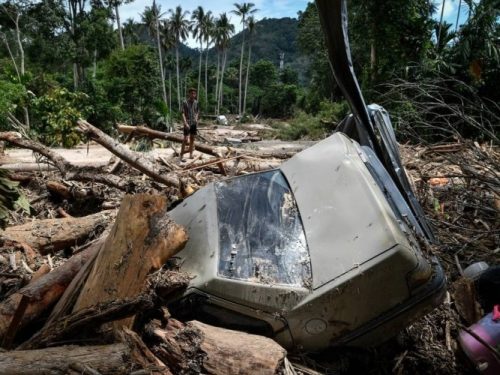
x: 190, y: 109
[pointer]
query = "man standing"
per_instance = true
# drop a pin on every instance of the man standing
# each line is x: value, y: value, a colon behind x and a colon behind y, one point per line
x: 190, y: 115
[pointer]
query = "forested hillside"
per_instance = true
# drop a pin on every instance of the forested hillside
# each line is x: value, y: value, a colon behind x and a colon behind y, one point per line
x: 62, y: 60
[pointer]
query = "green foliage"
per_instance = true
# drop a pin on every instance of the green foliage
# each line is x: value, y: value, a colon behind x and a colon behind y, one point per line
x: 130, y: 78
x: 11, y: 198
x: 263, y: 74
x: 100, y: 111
x: 57, y: 113
x: 302, y: 126
x: 318, y: 126
x: 477, y: 50
x: 388, y: 38
x: 289, y: 76
x: 11, y: 95
x: 312, y: 44
x: 278, y: 100
x: 334, y: 112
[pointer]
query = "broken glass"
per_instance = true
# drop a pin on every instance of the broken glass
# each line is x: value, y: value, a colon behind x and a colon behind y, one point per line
x: 261, y: 237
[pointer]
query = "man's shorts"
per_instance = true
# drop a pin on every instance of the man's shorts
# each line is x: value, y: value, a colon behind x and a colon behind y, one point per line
x: 193, y: 130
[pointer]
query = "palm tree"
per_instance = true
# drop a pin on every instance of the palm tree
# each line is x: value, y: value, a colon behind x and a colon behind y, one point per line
x: 242, y: 10
x: 446, y: 35
x: 129, y: 32
x: 458, y: 14
x: 169, y: 67
x: 198, y: 17
x: 185, y: 64
x: 180, y: 27
x: 167, y: 43
x: 151, y: 17
x: 223, y: 32
x: 251, y: 31
x: 438, y: 36
x: 115, y: 4
x: 207, y: 31
x: 478, y: 39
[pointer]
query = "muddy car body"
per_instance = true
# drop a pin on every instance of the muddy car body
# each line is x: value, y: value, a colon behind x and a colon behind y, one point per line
x: 324, y: 251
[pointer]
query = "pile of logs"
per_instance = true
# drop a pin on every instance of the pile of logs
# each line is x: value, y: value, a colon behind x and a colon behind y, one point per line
x: 81, y: 295
x: 88, y: 314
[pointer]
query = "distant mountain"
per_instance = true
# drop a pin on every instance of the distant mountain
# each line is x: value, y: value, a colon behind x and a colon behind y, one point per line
x: 272, y: 37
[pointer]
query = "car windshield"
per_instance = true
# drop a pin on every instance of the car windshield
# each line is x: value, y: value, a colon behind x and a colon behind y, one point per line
x: 261, y: 237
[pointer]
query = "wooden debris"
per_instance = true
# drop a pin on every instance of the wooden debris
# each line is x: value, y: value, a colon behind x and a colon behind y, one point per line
x: 40, y: 294
x: 112, y: 359
x: 151, y: 133
x: 43, y: 270
x: 199, y: 348
x: 52, y: 235
x: 141, y: 241
x: 68, y: 170
x: 141, y: 354
x: 87, y: 321
x: 134, y: 159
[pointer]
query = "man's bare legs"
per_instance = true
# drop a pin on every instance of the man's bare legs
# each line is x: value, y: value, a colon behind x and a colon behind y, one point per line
x: 183, y: 147
x: 191, y: 145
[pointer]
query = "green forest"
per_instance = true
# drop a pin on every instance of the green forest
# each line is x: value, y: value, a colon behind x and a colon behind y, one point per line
x: 60, y: 61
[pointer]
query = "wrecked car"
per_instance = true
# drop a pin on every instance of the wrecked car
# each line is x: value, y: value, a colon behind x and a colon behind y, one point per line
x: 327, y: 250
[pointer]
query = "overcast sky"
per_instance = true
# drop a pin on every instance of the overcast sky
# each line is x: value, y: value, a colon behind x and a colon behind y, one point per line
x: 267, y: 9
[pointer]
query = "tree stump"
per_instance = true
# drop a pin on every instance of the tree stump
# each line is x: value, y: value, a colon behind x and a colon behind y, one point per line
x: 141, y: 240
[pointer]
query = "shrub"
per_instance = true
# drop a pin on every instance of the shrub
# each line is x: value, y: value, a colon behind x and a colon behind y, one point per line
x: 56, y: 113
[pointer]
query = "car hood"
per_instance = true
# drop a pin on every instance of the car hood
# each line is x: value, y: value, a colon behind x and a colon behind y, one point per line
x: 346, y: 217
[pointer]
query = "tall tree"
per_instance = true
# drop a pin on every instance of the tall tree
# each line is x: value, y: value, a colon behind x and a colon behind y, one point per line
x: 242, y: 10
x: 167, y: 43
x: 115, y: 4
x: 14, y: 11
x: 76, y: 14
x: 130, y: 32
x: 132, y: 82
x: 223, y: 32
x: 180, y: 25
x: 152, y: 18
x: 438, y: 36
x: 477, y: 50
x: 198, y: 17
x: 251, y: 31
x: 99, y: 38
x: 397, y: 43
x: 208, y: 26
x: 458, y: 13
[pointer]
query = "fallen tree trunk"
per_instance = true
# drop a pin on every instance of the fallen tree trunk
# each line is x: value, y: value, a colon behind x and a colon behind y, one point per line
x: 141, y: 241
x: 151, y: 133
x: 68, y: 170
x: 135, y: 159
x: 51, y: 235
x: 100, y: 359
x: 199, y: 348
x: 31, y: 167
x: 31, y: 301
